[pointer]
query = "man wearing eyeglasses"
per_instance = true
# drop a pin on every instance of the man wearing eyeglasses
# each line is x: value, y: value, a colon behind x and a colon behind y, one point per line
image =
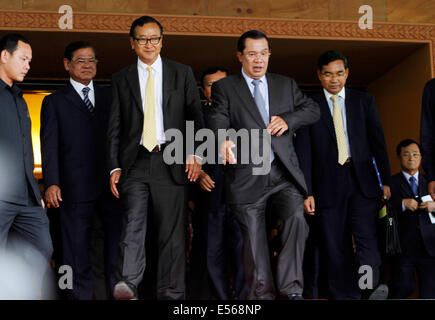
x: 415, y: 207
x: 260, y: 101
x: 149, y: 97
x: 343, y: 188
x: 73, y: 134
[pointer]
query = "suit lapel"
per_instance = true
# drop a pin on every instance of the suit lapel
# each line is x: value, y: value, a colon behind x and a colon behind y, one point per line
x: 351, y: 118
x: 422, y: 189
x: 405, y: 187
x: 167, y: 85
x: 273, y: 86
x: 133, y: 81
x: 248, y: 101
x: 326, y: 114
x: 75, y: 100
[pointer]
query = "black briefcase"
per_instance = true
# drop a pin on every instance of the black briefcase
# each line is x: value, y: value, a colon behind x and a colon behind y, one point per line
x: 389, y: 223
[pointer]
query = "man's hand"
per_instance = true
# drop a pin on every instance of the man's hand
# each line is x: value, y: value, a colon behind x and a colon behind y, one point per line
x: 227, y: 153
x: 53, y: 195
x: 193, y: 168
x: 431, y: 189
x: 428, y: 206
x: 114, y: 179
x: 309, y: 205
x: 42, y: 204
x: 387, y: 192
x: 277, y: 126
x: 205, y: 182
x: 410, y: 204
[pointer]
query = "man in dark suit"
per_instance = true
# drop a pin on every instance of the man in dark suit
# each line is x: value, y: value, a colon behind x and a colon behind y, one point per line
x: 417, y: 232
x: 343, y: 187
x: 257, y: 101
x: 224, y: 239
x: 22, y: 210
x: 427, y: 133
x: 73, y: 135
x: 150, y: 96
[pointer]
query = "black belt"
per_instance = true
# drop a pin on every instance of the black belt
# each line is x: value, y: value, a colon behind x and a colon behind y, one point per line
x: 157, y: 148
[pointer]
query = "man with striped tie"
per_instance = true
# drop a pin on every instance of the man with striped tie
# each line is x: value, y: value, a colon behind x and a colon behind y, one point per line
x: 73, y: 131
x: 343, y: 188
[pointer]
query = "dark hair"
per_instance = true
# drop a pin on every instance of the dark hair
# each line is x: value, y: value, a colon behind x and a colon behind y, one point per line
x: 76, y: 45
x: 405, y: 143
x: 329, y: 56
x: 251, y: 34
x: 139, y: 22
x: 9, y: 42
x: 212, y: 70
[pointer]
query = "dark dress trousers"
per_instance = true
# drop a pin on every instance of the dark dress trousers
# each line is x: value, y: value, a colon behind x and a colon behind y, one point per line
x: 283, y: 188
x: 417, y: 240
x: 20, y: 200
x: 347, y: 197
x: 73, y: 142
x: 147, y: 181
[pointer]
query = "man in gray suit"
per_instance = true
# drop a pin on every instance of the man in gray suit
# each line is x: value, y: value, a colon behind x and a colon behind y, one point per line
x: 257, y: 100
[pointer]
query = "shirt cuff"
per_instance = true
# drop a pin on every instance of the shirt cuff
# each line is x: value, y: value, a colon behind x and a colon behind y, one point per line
x: 116, y: 169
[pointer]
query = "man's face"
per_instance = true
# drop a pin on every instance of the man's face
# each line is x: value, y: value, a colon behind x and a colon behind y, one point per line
x: 17, y: 64
x: 208, y: 82
x: 255, y: 57
x: 333, y: 76
x: 148, y: 52
x: 410, y: 158
x: 83, y: 65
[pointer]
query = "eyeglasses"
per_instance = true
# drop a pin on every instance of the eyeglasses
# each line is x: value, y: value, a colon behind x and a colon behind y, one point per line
x: 82, y: 61
x: 413, y: 154
x: 263, y: 55
x: 144, y: 41
x: 329, y: 75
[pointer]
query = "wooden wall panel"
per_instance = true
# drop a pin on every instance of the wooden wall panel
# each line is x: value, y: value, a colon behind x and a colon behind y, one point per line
x: 348, y: 10
x: 422, y: 11
x: 11, y: 4
x: 53, y: 5
x: 241, y: 8
x: 299, y: 9
x: 117, y: 6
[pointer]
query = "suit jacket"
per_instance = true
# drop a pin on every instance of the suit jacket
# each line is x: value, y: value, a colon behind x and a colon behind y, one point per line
x: 412, y: 224
x: 234, y: 107
x: 180, y: 103
x: 14, y: 172
x: 427, y: 132
x: 366, y: 139
x: 73, y: 143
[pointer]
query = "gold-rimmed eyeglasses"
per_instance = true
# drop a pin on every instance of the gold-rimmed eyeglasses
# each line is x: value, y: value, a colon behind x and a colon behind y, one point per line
x: 82, y: 61
x: 411, y: 154
x: 263, y: 55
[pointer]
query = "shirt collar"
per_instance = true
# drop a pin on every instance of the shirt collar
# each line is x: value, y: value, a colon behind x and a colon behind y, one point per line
x: 248, y: 79
x: 407, y: 176
x: 79, y: 86
x: 156, y: 66
x: 328, y: 95
x: 14, y: 89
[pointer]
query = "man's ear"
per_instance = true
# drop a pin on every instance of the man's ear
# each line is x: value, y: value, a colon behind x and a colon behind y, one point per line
x: 66, y: 63
x: 4, y: 55
x: 239, y: 56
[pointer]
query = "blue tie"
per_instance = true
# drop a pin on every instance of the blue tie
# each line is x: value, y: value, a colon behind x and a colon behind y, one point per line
x: 413, y: 186
x: 259, y: 101
x: 88, y: 102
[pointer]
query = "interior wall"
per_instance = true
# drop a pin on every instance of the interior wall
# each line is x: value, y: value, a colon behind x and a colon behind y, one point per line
x: 420, y: 11
x: 398, y: 98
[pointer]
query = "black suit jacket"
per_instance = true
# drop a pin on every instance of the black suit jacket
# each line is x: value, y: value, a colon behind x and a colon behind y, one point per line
x: 318, y: 148
x: 73, y: 143
x: 180, y: 103
x: 427, y: 131
x: 411, y: 224
x: 234, y: 107
x: 11, y: 186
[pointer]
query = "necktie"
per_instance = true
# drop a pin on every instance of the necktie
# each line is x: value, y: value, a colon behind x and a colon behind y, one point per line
x: 261, y: 105
x: 339, y: 132
x: 149, y: 136
x: 88, y: 102
x: 413, y: 185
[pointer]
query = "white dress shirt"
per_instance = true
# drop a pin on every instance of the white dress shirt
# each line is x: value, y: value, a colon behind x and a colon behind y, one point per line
x: 341, y: 99
x: 264, y: 89
x: 158, y: 93
x: 79, y: 87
